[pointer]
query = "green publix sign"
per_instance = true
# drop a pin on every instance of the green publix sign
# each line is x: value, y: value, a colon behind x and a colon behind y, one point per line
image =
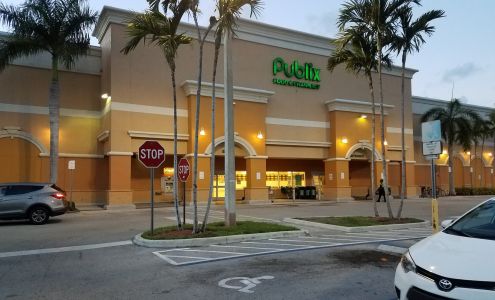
x: 306, y: 72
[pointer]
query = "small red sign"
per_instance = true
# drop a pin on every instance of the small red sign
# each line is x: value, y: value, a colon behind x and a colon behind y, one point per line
x: 151, y: 154
x: 184, y: 169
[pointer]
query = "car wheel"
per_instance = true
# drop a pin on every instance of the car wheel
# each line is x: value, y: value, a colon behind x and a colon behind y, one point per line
x: 39, y: 215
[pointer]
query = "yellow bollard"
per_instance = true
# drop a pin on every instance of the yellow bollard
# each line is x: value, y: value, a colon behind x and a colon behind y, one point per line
x: 434, y: 216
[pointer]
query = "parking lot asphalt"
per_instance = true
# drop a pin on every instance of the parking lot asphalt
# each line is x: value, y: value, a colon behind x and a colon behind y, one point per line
x: 104, y: 226
x: 131, y: 272
x: 88, y: 255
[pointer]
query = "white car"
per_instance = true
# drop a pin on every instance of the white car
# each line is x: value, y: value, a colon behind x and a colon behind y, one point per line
x: 456, y: 263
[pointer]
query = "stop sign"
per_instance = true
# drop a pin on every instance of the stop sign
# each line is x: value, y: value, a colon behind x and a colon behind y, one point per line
x: 184, y: 168
x: 151, y: 154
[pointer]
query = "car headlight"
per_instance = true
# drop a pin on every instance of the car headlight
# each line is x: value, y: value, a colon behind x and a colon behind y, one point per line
x: 408, y: 263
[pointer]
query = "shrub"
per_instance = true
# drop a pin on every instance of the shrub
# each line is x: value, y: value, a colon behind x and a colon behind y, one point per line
x: 474, y: 191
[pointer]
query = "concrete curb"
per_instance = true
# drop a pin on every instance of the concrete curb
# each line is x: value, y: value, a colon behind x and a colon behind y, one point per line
x: 179, y: 243
x: 354, y: 229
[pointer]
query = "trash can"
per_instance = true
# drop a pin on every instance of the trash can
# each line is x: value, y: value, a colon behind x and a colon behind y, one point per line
x: 299, y: 192
x: 312, y: 192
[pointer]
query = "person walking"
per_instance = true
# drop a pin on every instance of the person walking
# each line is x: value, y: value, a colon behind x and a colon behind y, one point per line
x: 381, y: 192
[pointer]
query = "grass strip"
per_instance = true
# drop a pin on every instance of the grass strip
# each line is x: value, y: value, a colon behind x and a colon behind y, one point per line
x: 215, y: 229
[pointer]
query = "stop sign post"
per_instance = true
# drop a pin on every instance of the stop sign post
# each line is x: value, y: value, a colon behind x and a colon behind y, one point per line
x: 183, y: 173
x: 151, y: 154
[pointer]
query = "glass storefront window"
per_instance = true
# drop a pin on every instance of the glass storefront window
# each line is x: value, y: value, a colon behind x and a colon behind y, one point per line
x: 290, y: 178
x: 219, y: 183
x: 274, y: 180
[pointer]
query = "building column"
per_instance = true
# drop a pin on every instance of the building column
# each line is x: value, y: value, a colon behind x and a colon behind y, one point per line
x: 468, y: 176
x: 491, y: 177
x: 336, y: 185
x: 119, y: 184
x: 256, y: 189
x: 412, y: 189
x: 203, y: 181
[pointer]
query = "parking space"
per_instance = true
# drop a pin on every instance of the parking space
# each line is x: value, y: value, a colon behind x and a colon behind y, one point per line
x: 215, y: 252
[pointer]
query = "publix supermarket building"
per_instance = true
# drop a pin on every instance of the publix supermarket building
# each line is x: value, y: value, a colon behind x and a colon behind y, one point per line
x: 296, y: 124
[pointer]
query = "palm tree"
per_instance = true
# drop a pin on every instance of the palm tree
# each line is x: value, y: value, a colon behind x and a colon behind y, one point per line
x: 229, y: 12
x: 480, y: 131
x: 59, y: 27
x: 155, y: 27
x: 408, y: 40
x: 356, y: 50
x: 455, y: 122
x: 491, y: 134
x: 201, y: 40
x: 377, y: 17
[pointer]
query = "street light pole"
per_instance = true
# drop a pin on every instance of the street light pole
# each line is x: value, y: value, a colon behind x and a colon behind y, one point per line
x: 230, y: 216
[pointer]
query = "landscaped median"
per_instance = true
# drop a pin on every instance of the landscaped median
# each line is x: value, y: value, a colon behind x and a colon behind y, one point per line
x: 216, y: 233
x: 357, y: 224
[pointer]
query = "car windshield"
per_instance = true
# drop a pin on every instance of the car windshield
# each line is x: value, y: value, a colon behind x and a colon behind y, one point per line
x: 479, y: 223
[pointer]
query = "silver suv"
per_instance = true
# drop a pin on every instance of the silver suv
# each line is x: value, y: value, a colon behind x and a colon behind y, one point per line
x: 34, y: 201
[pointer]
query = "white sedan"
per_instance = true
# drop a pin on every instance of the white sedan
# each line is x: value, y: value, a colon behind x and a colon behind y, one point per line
x: 456, y: 263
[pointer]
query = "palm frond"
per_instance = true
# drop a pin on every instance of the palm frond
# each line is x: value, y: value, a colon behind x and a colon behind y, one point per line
x: 60, y: 27
x: 16, y: 47
x: 229, y: 11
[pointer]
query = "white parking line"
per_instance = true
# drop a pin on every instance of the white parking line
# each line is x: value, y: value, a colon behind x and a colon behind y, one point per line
x: 327, y: 243
x: 210, y: 251
x: 64, y: 249
x: 268, y: 243
x: 341, y: 239
x: 370, y: 237
x: 191, y: 257
x: 373, y: 235
x: 231, y: 255
x: 245, y: 247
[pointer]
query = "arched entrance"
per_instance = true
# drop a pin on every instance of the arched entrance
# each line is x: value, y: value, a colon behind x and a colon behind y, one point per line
x: 359, y: 157
x: 250, y: 170
x: 20, y: 158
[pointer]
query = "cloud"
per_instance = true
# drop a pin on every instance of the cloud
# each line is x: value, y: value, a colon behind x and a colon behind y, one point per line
x: 461, y: 72
x: 324, y: 24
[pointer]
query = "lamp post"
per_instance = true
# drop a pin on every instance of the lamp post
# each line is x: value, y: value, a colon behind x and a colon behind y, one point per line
x: 230, y: 217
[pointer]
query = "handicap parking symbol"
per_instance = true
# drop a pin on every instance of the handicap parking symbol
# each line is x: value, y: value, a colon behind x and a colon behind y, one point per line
x: 242, y: 284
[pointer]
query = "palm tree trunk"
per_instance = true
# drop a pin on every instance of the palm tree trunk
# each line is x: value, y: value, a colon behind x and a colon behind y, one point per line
x: 382, y: 125
x: 54, y: 114
x: 451, y: 167
x: 196, y: 135
x: 176, y: 198
x: 403, y: 138
x: 201, y: 42
x: 482, y: 184
x: 373, y: 159
x: 471, y: 165
x: 213, y: 109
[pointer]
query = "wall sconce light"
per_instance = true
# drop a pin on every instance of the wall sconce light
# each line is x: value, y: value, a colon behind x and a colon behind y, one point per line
x: 363, y: 116
x: 259, y: 135
x: 468, y: 153
x: 105, y: 96
x: 345, y: 140
x: 202, y: 131
x: 385, y: 143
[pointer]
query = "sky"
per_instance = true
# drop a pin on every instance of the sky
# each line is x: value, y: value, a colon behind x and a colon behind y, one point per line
x: 457, y: 59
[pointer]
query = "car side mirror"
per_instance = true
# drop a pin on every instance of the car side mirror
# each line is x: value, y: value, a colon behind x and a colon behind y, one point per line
x: 446, y: 223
